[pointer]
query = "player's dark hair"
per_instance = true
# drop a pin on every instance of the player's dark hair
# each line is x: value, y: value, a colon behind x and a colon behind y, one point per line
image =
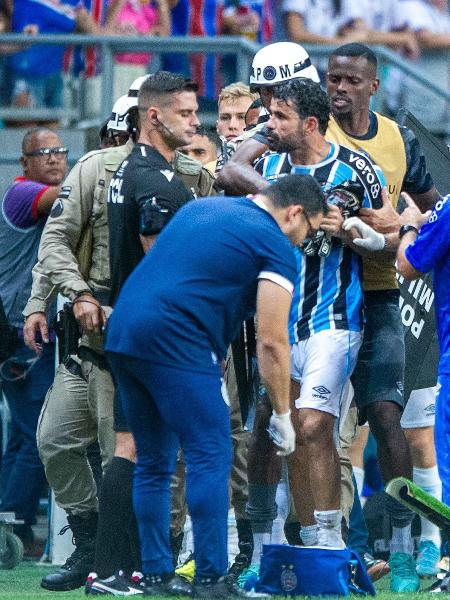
x: 308, y: 99
x: 157, y: 87
x: 210, y: 134
x: 255, y: 104
x: 103, y: 132
x: 357, y: 50
x: 297, y: 189
x: 30, y: 135
x: 133, y: 123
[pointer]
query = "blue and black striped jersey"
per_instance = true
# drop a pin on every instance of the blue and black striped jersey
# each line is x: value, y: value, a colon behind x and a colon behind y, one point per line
x: 328, y: 291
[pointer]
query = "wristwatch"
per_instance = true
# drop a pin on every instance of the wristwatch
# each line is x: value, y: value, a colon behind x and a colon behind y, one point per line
x: 405, y: 228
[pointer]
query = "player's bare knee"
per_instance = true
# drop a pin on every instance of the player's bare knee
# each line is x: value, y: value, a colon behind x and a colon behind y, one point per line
x: 421, y: 445
x: 315, y: 427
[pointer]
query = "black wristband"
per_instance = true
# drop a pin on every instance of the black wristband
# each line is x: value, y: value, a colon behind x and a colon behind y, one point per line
x: 405, y: 228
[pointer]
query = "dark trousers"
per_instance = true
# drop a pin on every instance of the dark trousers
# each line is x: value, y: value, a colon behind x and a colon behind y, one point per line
x: 167, y: 408
x: 22, y: 473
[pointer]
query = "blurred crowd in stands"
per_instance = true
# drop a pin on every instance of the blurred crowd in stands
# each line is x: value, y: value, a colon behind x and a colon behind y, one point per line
x: 49, y: 76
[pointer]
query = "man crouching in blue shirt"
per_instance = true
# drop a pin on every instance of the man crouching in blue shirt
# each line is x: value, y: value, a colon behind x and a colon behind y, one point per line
x: 217, y: 262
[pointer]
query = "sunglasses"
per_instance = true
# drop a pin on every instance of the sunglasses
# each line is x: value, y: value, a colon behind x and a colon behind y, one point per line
x: 59, y: 152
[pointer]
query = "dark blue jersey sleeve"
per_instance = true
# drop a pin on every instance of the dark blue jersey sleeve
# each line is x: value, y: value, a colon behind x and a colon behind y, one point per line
x: 433, y: 241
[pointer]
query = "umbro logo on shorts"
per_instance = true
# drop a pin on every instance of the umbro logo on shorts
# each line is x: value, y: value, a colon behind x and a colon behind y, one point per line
x: 321, y: 389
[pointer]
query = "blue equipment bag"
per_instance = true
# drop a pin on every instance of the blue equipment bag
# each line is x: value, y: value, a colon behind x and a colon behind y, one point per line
x: 312, y: 571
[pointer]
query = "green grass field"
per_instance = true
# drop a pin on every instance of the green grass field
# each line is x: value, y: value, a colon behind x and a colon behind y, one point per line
x: 23, y: 582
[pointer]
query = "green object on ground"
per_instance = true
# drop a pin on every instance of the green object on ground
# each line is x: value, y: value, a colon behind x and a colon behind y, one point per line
x: 419, y: 501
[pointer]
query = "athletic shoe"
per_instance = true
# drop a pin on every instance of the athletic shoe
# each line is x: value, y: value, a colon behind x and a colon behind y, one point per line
x: 248, y: 578
x: 375, y: 567
x: 116, y: 585
x: 440, y: 585
x: 176, y: 586
x: 245, y: 544
x: 222, y: 588
x: 427, y: 559
x: 403, y: 573
x: 187, y: 569
x: 240, y: 563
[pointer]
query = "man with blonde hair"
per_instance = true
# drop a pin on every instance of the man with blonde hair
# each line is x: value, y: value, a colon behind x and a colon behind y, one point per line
x: 234, y: 101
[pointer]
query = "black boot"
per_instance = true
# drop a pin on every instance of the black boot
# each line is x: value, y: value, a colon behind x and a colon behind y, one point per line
x: 223, y: 588
x: 243, y: 559
x: 74, y: 571
x: 292, y: 533
x: 166, y: 585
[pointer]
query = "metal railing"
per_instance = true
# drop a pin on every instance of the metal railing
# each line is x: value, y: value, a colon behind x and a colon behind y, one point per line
x: 110, y: 44
x: 239, y: 46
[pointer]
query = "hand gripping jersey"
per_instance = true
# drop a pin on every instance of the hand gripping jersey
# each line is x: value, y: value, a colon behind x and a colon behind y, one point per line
x: 328, y: 292
x: 397, y: 152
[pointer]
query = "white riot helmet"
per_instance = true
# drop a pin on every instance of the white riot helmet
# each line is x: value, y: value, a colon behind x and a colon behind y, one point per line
x: 136, y: 86
x: 280, y: 62
x: 118, y: 120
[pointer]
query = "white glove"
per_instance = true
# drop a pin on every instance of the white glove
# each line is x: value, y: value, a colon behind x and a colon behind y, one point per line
x: 282, y: 433
x: 370, y: 239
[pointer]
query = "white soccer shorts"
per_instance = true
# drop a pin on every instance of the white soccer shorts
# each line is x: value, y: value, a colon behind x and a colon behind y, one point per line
x: 420, y: 408
x: 322, y: 364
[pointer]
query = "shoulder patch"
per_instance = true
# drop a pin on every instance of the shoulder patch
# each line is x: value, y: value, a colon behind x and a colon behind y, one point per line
x: 65, y: 192
x: 57, y: 209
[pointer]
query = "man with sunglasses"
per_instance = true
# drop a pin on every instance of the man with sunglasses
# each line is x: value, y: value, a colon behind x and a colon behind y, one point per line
x: 25, y: 207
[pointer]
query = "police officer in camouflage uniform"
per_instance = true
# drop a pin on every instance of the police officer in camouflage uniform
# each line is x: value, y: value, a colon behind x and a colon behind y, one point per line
x: 74, y: 261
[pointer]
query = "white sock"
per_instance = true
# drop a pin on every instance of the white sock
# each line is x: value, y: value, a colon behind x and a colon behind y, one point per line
x: 258, y: 540
x: 401, y: 540
x: 329, y: 531
x: 358, y: 472
x: 282, y: 500
x: 428, y: 479
x: 308, y: 535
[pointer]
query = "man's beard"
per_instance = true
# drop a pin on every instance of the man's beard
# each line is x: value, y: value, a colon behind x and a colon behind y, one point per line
x: 278, y: 145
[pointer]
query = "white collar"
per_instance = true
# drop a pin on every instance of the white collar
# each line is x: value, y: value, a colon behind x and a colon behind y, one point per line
x: 259, y: 202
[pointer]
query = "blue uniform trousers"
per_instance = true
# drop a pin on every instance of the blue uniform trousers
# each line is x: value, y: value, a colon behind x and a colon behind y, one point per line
x: 166, y: 407
x: 442, y: 434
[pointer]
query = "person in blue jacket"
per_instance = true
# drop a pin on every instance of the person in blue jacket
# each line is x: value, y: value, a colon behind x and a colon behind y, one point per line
x: 217, y: 262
